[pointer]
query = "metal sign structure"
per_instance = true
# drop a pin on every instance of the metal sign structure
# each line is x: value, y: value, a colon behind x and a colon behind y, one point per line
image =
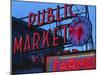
x: 74, y: 28
x: 80, y: 24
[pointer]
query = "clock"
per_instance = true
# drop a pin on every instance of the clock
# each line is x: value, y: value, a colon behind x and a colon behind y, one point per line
x: 80, y: 30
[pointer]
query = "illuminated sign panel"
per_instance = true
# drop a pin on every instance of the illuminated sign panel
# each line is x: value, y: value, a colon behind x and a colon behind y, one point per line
x: 71, y: 62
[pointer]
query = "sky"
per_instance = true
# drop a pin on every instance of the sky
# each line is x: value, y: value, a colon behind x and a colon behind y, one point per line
x: 22, y: 9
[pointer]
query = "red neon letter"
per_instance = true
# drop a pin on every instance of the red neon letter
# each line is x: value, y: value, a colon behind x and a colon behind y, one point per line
x: 45, y: 38
x: 71, y: 64
x: 70, y: 11
x: 65, y: 10
x: 55, y: 38
x: 50, y: 15
x: 18, y: 46
x: 31, y: 19
x: 55, y: 65
x: 39, y: 17
x: 36, y: 40
x: 63, y: 65
x: 27, y: 43
x: 58, y: 14
x: 65, y: 33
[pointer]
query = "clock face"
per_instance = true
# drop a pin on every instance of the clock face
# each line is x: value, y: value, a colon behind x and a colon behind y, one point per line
x: 80, y: 31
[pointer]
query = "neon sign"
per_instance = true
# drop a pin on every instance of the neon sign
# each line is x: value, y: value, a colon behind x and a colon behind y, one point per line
x: 74, y: 62
x: 26, y: 43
